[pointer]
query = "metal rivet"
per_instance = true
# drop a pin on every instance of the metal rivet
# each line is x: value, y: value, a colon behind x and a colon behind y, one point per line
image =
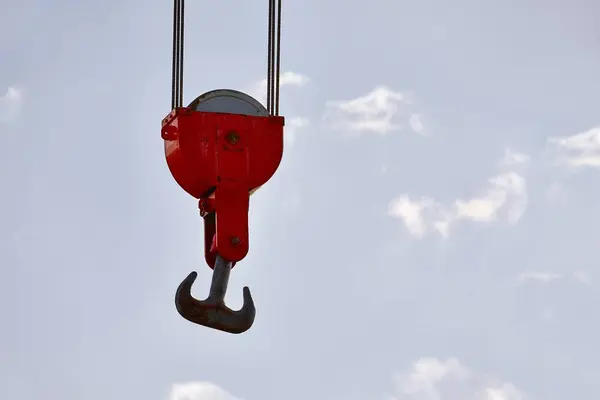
x: 232, y: 137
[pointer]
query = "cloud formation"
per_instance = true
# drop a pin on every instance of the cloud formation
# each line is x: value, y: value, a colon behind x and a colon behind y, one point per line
x: 292, y: 126
x: 380, y: 111
x: 547, y: 277
x: 428, y: 378
x: 199, y: 391
x: 579, y: 150
x: 289, y: 78
x: 504, y: 197
x: 513, y: 158
x: 10, y: 104
x: 435, y: 379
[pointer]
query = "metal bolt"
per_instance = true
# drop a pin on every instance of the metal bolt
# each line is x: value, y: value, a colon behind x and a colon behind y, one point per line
x: 232, y: 137
x: 235, y: 241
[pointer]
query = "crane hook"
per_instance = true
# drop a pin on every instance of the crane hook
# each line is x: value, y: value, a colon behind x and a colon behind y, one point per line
x: 212, y: 312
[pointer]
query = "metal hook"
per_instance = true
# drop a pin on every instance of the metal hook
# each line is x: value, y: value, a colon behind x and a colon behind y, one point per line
x: 212, y: 312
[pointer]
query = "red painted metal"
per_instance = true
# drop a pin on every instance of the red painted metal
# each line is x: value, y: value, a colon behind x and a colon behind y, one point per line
x: 219, y: 158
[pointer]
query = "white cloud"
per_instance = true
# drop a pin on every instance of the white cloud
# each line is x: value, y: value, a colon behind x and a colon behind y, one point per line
x: 505, y: 191
x: 543, y: 277
x: 513, y: 158
x: 10, y: 104
x: 292, y: 125
x: 506, y: 391
x: 416, y: 123
x: 411, y: 213
x: 583, y: 277
x: 199, y: 391
x: 435, y: 379
x: 504, y: 197
x: 579, y: 150
x: 288, y: 78
x: 547, y: 277
x: 292, y: 79
x: 379, y: 111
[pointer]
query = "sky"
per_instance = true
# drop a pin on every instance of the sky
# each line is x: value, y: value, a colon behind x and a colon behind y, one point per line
x: 431, y: 233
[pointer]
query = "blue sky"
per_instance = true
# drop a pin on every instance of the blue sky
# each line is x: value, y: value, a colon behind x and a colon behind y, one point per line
x: 431, y: 233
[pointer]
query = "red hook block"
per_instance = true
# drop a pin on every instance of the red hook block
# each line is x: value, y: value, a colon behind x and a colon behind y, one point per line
x: 219, y: 159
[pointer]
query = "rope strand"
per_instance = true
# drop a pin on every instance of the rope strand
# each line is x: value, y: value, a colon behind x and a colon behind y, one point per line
x: 274, y: 57
x: 177, y: 73
x: 278, y: 59
x: 175, y: 67
x: 181, y: 34
x: 270, y: 59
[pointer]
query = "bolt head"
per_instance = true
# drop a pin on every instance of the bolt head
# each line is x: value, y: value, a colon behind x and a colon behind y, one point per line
x: 232, y: 137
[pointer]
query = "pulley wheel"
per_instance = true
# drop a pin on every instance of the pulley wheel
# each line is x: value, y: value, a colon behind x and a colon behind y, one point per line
x: 230, y: 102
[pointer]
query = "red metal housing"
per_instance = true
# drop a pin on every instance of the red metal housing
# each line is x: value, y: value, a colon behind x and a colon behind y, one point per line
x: 219, y: 158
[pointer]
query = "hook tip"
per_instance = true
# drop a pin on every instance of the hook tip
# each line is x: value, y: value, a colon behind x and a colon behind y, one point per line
x: 247, y: 295
x: 183, y: 296
x: 249, y: 309
x: 192, y: 275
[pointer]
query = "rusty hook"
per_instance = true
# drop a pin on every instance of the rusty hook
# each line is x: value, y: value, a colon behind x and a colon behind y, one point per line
x: 212, y: 312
